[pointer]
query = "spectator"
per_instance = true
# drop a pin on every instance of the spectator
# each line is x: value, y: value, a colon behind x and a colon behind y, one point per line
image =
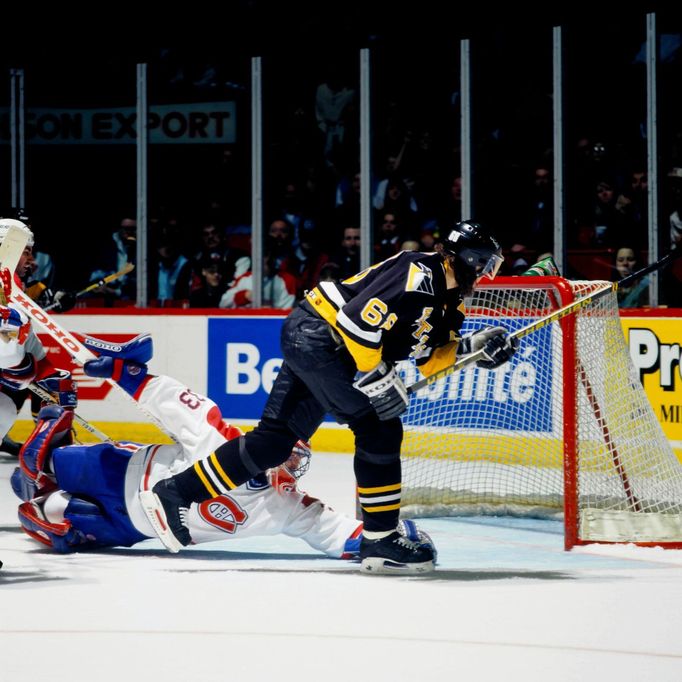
x: 213, y: 286
x: 428, y: 237
x: 333, y: 106
x: 233, y: 262
x: 673, y: 276
x: 409, y: 245
x: 122, y: 251
x: 538, y: 228
x: 278, y: 245
x: 395, y: 197
x: 636, y: 294
x: 389, y: 238
x: 279, y: 289
x: 173, y: 272
x: 307, y: 262
x: 348, y: 257
x: 329, y: 272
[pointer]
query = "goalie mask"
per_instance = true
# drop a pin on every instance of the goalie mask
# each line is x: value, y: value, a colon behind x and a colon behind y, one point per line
x: 477, y: 253
x: 5, y: 225
x: 284, y: 477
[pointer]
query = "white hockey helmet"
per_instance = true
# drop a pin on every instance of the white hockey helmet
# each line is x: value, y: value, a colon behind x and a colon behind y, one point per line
x: 5, y: 225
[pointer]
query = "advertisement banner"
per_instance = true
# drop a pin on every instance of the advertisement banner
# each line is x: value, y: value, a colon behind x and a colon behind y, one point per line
x: 244, y: 358
x: 654, y: 345
x: 200, y: 123
x: 511, y: 398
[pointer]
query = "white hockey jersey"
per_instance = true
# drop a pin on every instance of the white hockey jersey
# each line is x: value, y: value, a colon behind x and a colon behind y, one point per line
x: 256, y: 508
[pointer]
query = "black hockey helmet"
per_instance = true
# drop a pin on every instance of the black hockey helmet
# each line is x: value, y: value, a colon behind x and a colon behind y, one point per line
x: 474, y: 248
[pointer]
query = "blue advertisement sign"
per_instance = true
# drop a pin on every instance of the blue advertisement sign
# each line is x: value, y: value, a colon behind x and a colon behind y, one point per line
x: 515, y: 397
x: 244, y: 358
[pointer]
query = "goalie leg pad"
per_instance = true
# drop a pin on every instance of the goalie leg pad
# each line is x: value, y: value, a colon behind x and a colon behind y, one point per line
x: 23, y: 486
x: 98, y: 472
x: 108, y: 527
x: 59, y: 536
x: 52, y: 430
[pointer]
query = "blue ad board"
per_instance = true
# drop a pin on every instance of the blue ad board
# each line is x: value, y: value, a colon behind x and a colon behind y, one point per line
x: 515, y: 397
x: 244, y: 357
x: 243, y: 360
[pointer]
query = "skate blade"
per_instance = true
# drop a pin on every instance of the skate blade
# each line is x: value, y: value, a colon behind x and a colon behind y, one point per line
x: 153, y: 509
x: 380, y: 566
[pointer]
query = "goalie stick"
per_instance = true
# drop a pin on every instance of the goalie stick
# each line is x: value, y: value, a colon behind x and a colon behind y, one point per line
x: 129, y: 267
x: 85, y: 425
x: 12, y: 247
x: 554, y: 316
x: 70, y: 344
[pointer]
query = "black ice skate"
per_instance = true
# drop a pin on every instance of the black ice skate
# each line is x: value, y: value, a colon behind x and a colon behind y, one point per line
x: 167, y: 511
x: 395, y: 554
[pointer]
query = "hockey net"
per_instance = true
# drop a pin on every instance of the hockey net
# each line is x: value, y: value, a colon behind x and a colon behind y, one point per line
x: 564, y: 428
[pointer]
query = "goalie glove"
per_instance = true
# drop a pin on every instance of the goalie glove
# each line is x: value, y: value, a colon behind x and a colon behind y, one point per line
x: 385, y: 390
x: 61, y: 386
x: 497, y: 346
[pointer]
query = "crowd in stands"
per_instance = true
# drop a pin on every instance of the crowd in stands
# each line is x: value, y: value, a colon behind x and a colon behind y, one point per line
x: 202, y: 258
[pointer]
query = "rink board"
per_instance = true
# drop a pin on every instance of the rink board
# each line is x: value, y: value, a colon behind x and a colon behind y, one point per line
x: 234, y: 358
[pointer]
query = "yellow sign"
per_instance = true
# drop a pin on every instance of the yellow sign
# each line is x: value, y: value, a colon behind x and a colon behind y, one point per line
x: 654, y: 345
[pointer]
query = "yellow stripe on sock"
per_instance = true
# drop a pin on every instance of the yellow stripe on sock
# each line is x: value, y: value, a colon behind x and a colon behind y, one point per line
x: 380, y: 489
x: 204, y: 480
x: 385, y: 507
x: 226, y: 479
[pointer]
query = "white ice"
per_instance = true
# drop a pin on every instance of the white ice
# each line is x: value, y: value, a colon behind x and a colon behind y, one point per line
x: 506, y: 603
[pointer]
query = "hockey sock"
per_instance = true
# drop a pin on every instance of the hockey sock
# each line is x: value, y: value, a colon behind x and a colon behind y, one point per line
x: 379, y: 488
x: 237, y: 461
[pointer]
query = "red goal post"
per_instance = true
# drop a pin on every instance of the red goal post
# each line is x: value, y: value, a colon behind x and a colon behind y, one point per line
x: 565, y: 428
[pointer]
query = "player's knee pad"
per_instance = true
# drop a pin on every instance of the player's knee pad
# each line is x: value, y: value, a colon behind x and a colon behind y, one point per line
x: 377, y: 441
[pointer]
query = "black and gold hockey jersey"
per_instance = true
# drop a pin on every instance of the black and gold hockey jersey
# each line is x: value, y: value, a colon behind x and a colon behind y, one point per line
x: 396, y: 309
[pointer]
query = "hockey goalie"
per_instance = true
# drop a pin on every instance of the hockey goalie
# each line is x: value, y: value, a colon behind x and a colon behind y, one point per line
x: 78, y: 497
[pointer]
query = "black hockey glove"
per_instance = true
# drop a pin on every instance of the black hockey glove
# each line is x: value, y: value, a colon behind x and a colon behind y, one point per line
x: 496, y: 345
x: 64, y: 301
x: 385, y: 390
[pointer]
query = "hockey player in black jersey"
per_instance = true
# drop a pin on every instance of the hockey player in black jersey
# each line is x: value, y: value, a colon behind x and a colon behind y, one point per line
x: 339, y: 347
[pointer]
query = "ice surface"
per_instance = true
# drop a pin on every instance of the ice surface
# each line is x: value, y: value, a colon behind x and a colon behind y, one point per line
x: 506, y: 603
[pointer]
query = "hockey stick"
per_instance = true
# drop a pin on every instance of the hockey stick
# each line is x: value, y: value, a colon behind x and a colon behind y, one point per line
x: 85, y: 425
x: 554, y: 316
x: 71, y: 344
x: 129, y: 267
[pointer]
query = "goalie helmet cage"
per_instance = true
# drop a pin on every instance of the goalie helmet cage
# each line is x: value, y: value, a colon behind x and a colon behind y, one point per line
x: 565, y: 427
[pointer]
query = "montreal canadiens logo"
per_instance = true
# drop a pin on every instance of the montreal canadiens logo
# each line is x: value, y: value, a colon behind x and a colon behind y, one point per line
x: 223, y: 513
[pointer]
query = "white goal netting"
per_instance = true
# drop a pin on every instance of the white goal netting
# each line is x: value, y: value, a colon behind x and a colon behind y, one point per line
x: 565, y: 425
